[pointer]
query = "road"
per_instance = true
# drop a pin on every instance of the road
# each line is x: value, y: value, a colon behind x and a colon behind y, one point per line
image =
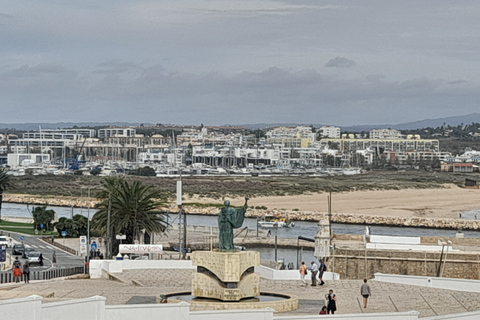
x: 64, y: 259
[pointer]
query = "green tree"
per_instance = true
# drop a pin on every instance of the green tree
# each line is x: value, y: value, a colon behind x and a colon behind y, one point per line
x: 42, y: 216
x: 74, y: 227
x: 5, y: 184
x: 133, y: 210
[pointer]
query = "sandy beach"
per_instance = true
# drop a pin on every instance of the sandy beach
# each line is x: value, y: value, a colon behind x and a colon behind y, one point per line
x: 447, y: 202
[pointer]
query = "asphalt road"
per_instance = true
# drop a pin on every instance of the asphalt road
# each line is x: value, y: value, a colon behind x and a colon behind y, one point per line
x: 64, y: 259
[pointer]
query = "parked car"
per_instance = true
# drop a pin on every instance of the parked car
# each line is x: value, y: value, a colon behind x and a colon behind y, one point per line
x: 17, y: 249
x: 33, y: 257
x: 4, y: 241
x: 26, y: 252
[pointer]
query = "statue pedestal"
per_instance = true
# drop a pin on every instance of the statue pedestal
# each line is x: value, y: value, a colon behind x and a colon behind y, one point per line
x: 226, y: 275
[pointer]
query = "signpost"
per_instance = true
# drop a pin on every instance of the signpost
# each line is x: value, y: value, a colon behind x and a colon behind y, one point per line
x: 3, y: 253
x: 64, y: 234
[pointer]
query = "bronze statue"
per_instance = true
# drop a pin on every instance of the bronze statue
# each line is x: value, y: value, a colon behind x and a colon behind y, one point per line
x: 229, y: 218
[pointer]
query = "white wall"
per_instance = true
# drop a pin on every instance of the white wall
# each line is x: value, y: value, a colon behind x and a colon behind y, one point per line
x: 409, y: 315
x: 393, y: 239
x: 117, y: 266
x: 31, y: 308
x: 272, y: 274
x: 413, y: 247
x: 24, y: 308
x: 259, y: 314
x: 171, y: 311
x: 460, y: 316
x: 434, y: 282
x: 92, y: 308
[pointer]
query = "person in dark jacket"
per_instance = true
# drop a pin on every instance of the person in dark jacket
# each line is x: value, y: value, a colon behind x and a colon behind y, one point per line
x: 26, y: 272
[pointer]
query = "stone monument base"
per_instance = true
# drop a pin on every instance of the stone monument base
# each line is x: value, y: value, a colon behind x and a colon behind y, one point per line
x: 226, y: 275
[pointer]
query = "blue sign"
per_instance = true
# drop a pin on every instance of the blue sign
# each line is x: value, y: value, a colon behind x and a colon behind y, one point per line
x: 64, y: 233
x: 42, y: 225
x: 93, y: 246
x: 3, y: 253
x: 22, y: 237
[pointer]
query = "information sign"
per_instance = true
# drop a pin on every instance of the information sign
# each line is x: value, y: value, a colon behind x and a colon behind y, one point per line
x: 83, y: 240
x: 64, y: 233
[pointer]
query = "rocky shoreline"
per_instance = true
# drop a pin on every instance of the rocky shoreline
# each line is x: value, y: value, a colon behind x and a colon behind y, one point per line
x: 347, y: 218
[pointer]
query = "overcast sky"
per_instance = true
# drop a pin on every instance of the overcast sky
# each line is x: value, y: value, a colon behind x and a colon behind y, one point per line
x: 233, y: 62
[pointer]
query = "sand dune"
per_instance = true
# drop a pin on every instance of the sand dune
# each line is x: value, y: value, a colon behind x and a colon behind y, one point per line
x: 441, y: 203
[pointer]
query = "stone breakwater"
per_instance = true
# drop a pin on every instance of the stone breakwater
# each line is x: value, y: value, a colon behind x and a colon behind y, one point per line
x: 348, y: 218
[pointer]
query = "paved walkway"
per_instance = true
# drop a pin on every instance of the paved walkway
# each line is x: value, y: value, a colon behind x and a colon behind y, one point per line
x: 386, y: 297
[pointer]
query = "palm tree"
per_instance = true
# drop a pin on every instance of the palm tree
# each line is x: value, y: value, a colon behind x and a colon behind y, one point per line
x: 5, y: 184
x: 133, y: 209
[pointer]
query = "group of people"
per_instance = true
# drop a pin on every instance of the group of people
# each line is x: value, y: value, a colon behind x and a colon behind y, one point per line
x: 330, y: 298
x: 18, y: 270
x: 315, y: 270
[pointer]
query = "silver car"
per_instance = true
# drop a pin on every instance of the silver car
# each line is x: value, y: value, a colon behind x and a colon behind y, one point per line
x: 33, y: 257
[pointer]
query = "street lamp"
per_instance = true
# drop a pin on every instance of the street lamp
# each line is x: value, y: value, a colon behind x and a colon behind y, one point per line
x: 449, y: 243
x: 441, y: 256
x: 88, y: 212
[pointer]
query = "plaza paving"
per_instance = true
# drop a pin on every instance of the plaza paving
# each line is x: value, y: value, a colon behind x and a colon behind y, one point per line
x: 386, y: 297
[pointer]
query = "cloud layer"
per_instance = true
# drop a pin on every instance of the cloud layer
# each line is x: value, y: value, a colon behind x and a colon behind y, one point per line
x: 217, y: 62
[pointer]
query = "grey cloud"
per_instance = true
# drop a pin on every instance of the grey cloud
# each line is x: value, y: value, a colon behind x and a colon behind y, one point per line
x: 340, y: 62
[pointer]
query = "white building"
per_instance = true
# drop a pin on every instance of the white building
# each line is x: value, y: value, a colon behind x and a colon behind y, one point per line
x: 385, y: 134
x: 329, y: 132
x: 116, y: 132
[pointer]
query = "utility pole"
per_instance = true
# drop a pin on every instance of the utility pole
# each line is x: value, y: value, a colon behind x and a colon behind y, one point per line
x: 109, y: 233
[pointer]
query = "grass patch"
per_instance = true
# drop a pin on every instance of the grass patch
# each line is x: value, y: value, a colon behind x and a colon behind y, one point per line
x: 15, y: 224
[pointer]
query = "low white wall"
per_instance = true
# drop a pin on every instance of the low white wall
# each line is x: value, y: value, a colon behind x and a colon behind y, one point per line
x: 413, y: 247
x: 259, y: 314
x: 117, y: 266
x: 434, y: 282
x: 461, y: 316
x: 173, y: 311
x: 395, y: 239
x: 24, y: 308
x: 89, y: 308
x: 409, y: 315
x: 272, y: 274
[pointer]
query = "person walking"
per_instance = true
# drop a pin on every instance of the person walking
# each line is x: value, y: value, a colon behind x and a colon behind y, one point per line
x: 303, y: 273
x: 17, y: 263
x: 332, y: 302
x: 365, y: 292
x: 26, y: 272
x: 322, y: 267
x: 54, y: 258
x: 17, y: 274
x: 314, y: 270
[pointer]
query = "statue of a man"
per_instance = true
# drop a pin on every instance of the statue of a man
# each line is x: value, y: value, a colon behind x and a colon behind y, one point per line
x: 229, y: 218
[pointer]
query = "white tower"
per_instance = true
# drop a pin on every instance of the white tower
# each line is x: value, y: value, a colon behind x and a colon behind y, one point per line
x: 322, y: 240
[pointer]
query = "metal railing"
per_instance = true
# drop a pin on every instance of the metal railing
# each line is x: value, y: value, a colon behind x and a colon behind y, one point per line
x: 7, y: 277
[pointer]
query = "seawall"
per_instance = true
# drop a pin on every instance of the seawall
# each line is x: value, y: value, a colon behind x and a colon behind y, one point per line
x: 347, y: 218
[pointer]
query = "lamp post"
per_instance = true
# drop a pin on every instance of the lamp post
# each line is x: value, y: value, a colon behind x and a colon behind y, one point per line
x: 449, y: 243
x: 441, y: 256
x: 88, y: 213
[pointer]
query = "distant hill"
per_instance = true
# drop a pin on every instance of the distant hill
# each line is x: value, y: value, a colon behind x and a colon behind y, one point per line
x: 452, y: 121
x: 61, y: 125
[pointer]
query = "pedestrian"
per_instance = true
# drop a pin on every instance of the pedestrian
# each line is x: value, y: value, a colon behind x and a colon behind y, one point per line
x: 321, y: 269
x: 365, y: 292
x: 26, y: 272
x: 314, y: 269
x: 17, y: 274
x: 323, y: 310
x: 303, y: 273
x: 40, y: 259
x: 332, y: 302
x: 16, y: 263
x: 54, y: 258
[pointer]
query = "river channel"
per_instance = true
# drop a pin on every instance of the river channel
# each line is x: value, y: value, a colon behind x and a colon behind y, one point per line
x: 302, y: 228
